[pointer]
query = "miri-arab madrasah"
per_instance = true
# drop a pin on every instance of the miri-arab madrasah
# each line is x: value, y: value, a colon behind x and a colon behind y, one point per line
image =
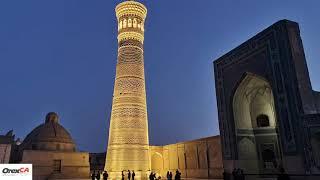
x: 269, y: 117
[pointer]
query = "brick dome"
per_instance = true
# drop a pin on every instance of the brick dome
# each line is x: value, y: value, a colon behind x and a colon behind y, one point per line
x: 49, y: 136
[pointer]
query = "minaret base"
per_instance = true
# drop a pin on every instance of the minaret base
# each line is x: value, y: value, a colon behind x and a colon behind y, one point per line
x: 114, y: 175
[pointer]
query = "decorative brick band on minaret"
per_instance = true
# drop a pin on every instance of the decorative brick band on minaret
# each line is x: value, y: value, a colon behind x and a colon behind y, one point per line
x: 128, y: 147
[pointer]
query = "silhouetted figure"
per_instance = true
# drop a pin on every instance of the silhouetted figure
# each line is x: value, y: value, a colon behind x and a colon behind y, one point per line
x: 234, y: 174
x: 129, y: 175
x: 93, y: 175
x: 170, y: 175
x: 237, y: 174
x: 225, y: 175
x: 151, y: 176
x: 178, y: 175
x: 283, y: 175
x: 105, y: 175
x: 241, y: 175
x: 133, y: 175
x: 122, y: 176
x: 98, y: 176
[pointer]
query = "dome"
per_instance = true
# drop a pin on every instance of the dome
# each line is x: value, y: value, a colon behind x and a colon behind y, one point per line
x: 49, y: 136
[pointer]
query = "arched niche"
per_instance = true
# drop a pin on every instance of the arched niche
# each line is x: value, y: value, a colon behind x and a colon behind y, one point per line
x: 135, y: 22
x: 124, y: 24
x: 247, y: 149
x: 269, y: 159
x: 255, y: 123
x: 157, y: 163
x: 129, y: 22
x: 120, y: 25
x: 253, y: 98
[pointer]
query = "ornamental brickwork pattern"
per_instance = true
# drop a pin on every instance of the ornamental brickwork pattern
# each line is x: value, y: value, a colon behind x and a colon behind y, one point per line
x: 128, y: 146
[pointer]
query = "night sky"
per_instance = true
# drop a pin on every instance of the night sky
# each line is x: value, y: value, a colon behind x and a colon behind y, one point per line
x: 61, y: 56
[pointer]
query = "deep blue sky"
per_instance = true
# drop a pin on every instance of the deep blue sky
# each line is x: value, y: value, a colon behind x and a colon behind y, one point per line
x: 61, y: 56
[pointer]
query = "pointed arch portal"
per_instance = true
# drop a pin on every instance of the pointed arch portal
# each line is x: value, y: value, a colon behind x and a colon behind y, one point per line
x: 255, y: 125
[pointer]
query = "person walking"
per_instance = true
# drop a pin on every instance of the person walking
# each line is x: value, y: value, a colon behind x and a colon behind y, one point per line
x: 133, y: 174
x: 170, y: 175
x: 93, y: 175
x: 105, y: 175
x: 225, y: 175
x: 235, y: 174
x: 178, y: 175
x: 283, y: 175
x: 122, y: 176
x: 129, y: 175
x: 153, y: 176
x: 98, y: 176
x: 241, y: 175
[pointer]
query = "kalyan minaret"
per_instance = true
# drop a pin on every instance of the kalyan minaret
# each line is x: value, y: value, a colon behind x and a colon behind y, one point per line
x: 128, y: 147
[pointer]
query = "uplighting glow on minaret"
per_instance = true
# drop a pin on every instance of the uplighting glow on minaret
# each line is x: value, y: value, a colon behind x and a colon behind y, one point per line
x: 128, y: 147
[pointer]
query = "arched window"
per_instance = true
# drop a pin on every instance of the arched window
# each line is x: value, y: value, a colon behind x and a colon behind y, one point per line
x: 269, y: 159
x: 120, y: 25
x: 263, y: 121
x: 57, y: 166
x: 124, y: 25
x: 129, y: 23
x: 134, y: 22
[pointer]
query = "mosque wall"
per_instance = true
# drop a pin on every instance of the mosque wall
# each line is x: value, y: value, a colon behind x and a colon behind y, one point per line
x: 7, y: 147
x: 275, y: 59
x: 57, y: 165
x: 316, y: 96
x: 200, y: 158
x: 5, y: 151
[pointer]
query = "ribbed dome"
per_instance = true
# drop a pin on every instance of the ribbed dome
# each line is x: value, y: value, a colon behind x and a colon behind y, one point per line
x: 50, y: 136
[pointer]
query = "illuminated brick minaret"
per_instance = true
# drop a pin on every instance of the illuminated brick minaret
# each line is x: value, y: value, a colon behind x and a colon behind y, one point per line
x: 128, y: 147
